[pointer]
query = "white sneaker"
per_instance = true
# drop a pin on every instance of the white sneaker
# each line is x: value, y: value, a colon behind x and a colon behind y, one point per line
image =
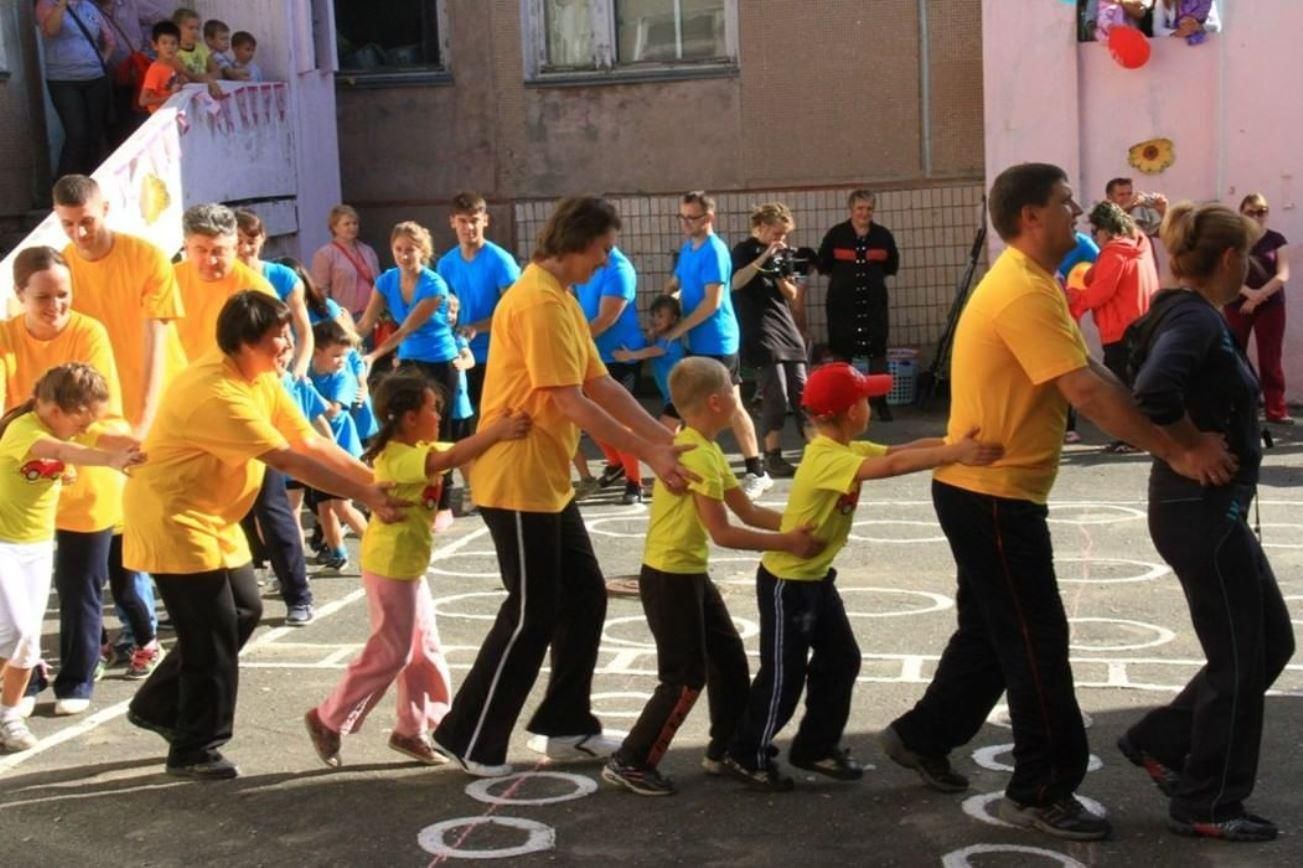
x: 575, y: 748
x: 470, y: 767
x: 15, y: 736
x: 753, y: 486
x: 65, y: 707
x: 26, y: 706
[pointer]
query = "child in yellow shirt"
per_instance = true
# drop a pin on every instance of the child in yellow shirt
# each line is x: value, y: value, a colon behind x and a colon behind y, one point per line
x: 404, y: 644
x: 804, y: 630
x: 696, y: 643
x: 34, y: 458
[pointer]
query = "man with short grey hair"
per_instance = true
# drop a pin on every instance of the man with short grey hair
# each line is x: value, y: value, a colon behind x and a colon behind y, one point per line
x: 209, y: 275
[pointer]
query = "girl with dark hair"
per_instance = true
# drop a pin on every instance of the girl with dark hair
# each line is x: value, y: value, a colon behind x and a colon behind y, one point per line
x: 404, y: 642
x: 220, y: 423
x: 34, y: 458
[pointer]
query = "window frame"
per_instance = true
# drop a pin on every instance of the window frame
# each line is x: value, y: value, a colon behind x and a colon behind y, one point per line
x: 402, y: 76
x: 606, y: 66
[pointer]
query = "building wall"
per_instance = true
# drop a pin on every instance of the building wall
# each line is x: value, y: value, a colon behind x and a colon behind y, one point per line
x: 827, y: 96
x: 24, y: 175
x: 1050, y: 99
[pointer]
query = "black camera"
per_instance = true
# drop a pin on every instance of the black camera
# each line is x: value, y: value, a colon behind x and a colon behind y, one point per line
x: 791, y: 261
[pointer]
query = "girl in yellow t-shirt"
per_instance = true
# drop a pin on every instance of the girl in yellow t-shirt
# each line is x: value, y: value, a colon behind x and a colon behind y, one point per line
x: 404, y: 643
x: 34, y: 459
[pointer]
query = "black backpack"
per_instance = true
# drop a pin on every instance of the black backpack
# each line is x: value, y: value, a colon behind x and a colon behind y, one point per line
x: 1139, y: 336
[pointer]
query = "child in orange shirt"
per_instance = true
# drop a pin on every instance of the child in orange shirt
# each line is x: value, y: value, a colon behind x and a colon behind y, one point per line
x: 161, y: 80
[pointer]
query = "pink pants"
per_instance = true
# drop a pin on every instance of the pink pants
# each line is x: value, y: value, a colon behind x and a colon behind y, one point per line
x: 404, y: 647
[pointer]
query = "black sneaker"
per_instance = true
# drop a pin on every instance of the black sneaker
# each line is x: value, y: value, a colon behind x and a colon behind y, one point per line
x: 217, y: 768
x: 934, y: 770
x: 778, y: 466
x: 611, y: 474
x: 632, y: 493
x: 1246, y: 828
x: 638, y: 779
x: 1066, y: 818
x: 1164, y: 777
x: 767, y: 778
x: 838, y: 765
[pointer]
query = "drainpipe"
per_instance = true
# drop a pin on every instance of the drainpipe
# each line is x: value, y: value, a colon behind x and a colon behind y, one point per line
x: 924, y: 90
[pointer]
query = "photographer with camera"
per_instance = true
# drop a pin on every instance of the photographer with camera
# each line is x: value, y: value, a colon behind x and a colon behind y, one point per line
x: 858, y: 256
x: 765, y: 289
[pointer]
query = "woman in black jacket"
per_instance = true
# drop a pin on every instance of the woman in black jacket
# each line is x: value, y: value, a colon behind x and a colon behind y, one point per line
x: 1191, y: 376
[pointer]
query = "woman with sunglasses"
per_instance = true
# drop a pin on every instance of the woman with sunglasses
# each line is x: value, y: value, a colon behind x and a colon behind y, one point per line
x: 1260, y: 308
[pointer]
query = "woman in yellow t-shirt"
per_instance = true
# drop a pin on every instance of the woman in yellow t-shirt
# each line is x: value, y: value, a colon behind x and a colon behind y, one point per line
x: 220, y: 422
x: 89, y: 551
x: 404, y: 643
x: 34, y: 458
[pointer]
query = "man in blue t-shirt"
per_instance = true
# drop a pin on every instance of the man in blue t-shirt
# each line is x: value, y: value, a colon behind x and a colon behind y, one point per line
x: 479, y: 272
x: 701, y: 281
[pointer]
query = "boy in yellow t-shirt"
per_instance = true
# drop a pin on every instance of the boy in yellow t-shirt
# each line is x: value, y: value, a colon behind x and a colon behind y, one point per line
x: 696, y: 643
x: 803, y: 625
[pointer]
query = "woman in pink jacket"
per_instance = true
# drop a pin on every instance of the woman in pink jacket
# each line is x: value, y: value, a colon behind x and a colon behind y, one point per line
x: 1118, y: 287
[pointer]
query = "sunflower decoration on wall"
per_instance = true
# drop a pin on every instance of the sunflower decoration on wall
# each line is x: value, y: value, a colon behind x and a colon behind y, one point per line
x: 1153, y: 156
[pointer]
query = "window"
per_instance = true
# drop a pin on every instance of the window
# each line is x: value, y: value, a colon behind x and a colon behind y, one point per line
x: 391, y: 38
x: 630, y: 36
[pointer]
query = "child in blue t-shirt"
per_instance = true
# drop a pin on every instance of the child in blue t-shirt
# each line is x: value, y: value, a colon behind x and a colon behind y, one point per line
x: 664, y: 354
x: 460, y: 407
x: 340, y: 386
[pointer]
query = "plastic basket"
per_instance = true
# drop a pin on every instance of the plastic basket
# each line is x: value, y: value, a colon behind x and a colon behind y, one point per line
x: 904, y: 385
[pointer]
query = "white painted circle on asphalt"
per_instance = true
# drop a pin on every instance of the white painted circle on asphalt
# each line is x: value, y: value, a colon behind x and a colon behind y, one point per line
x: 960, y: 858
x: 1137, y: 571
x: 1161, y: 635
x: 441, y: 603
x: 433, y: 839
x: 1095, y: 513
x: 597, y: 526
x: 638, y: 697
x: 986, y: 758
x: 935, y: 602
x: 482, y: 790
x: 745, y: 628
x: 930, y: 538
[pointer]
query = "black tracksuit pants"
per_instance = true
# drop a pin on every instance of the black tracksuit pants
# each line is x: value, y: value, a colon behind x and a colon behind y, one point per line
x: 1212, y: 730
x: 555, y: 596
x: 696, y: 646
x: 806, y: 641
x: 1012, y: 636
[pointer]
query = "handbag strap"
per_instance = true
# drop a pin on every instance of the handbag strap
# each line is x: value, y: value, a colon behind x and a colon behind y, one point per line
x: 93, y: 44
x: 358, y: 265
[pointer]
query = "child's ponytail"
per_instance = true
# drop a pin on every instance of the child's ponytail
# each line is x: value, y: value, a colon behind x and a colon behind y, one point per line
x: 70, y: 387
x: 398, y: 394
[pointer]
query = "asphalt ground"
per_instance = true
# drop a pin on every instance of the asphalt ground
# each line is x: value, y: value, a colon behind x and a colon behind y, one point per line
x: 94, y: 792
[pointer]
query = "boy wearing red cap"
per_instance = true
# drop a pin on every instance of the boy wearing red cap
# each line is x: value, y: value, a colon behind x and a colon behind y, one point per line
x: 801, y: 613
x: 696, y: 643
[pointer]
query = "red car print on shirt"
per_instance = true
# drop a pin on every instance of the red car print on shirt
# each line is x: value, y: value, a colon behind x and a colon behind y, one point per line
x: 42, y: 468
x: 430, y: 496
x: 847, y: 503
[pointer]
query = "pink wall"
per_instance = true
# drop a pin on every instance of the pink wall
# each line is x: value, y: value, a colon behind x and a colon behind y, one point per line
x: 1230, y: 106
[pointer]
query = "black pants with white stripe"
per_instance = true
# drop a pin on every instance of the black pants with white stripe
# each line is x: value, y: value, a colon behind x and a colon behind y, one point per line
x: 806, y: 641
x: 696, y: 646
x: 1012, y: 636
x: 1212, y: 730
x: 555, y: 596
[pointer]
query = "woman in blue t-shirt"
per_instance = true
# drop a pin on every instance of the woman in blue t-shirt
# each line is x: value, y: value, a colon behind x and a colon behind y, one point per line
x: 417, y: 299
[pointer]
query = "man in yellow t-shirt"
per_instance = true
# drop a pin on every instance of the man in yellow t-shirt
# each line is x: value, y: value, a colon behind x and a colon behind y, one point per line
x: 126, y: 284
x: 542, y: 362
x: 222, y: 421
x: 803, y: 623
x: 696, y: 643
x: 209, y: 275
x: 1018, y: 362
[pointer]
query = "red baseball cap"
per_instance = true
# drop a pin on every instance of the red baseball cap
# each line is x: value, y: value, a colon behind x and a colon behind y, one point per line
x: 833, y: 388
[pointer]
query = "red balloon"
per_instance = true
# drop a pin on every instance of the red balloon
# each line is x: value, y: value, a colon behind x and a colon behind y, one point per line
x: 1128, y: 46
